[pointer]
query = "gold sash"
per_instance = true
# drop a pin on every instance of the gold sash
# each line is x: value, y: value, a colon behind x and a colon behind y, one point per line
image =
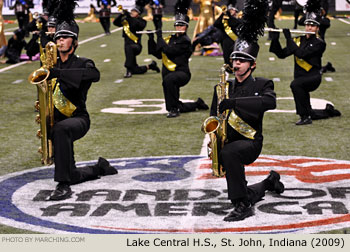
x: 228, y: 30
x: 63, y: 105
x: 127, y: 31
x: 241, y: 126
x: 166, y: 61
x: 235, y: 121
x: 302, y: 63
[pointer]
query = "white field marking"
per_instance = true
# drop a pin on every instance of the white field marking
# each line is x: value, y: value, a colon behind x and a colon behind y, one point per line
x: 333, y: 43
x: 271, y: 58
x: 344, y: 21
x: 276, y: 79
x: 17, y: 81
x: 107, y: 60
x: 147, y: 60
x: 315, y: 104
x: 218, y: 58
x: 119, y: 81
x: 328, y: 79
x: 348, y: 34
x: 8, y: 33
x: 190, y: 59
x: 103, y: 45
x: 10, y: 29
x: 80, y: 43
x: 98, y: 36
x: 267, y: 43
x: 12, y: 66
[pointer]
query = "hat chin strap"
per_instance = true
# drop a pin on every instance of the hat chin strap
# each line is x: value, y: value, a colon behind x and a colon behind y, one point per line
x: 241, y: 75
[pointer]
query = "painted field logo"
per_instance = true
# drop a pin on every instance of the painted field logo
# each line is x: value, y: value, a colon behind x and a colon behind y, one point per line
x: 177, y: 194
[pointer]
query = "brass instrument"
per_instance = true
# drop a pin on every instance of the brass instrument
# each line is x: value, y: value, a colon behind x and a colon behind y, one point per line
x: 45, y: 103
x: 120, y: 9
x: 216, y: 127
x: 223, y: 8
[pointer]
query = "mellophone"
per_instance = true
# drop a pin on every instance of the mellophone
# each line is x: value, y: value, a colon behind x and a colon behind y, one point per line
x: 154, y: 31
x: 291, y: 31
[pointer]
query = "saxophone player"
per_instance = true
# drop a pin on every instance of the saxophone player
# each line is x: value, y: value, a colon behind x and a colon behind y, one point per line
x: 71, y: 119
x: 249, y: 98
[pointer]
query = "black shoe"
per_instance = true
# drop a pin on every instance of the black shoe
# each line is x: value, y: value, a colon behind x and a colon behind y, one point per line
x: 323, y: 70
x: 61, y: 192
x: 173, y: 113
x: 274, y: 184
x: 201, y: 104
x: 153, y: 66
x: 332, y: 111
x: 127, y: 74
x: 105, y: 168
x: 329, y: 67
x: 304, y: 120
x: 240, y: 212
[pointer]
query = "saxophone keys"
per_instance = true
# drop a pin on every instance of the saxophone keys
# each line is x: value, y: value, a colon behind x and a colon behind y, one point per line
x: 38, y: 119
x: 37, y: 105
x: 38, y: 134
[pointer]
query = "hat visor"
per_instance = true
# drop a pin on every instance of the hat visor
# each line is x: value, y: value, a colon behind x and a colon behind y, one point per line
x: 242, y: 56
x: 311, y: 22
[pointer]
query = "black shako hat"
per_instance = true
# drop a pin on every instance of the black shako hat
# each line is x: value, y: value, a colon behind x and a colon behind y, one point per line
x: 181, y: 8
x: 66, y: 25
x: 313, y: 12
x: 253, y: 22
x: 139, y: 6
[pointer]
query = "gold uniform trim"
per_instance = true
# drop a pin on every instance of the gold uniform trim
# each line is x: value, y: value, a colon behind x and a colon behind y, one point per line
x: 127, y: 31
x: 171, y: 66
x: 241, y: 126
x: 228, y: 30
x: 63, y: 105
x: 302, y: 63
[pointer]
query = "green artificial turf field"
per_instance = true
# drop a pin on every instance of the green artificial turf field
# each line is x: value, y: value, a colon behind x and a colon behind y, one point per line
x: 120, y: 135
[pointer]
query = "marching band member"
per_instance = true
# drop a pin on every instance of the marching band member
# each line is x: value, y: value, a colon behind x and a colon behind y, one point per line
x: 157, y: 12
x: 105, y: 13
x: 228, y: 23
x: 248, y: 98
x: 71, y: 120
x: 175, y: 51
x: 131, y: 23
x: 307, y: 51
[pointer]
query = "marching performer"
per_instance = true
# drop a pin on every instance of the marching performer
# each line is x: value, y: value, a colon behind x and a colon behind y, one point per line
x: 228, y: 23
x: 105, y: 13
x: 175, y: 51
x: 157, y: 12
x: 243, y: 104
x: 131, y: 23
x: 74, y: 76
x: 307, y: 51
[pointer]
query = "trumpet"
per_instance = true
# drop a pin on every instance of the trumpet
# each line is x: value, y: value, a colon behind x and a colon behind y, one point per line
x: 154, y: 31
x: 291, y: 31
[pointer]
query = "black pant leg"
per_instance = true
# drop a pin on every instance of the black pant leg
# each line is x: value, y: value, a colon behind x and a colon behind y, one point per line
x: 64, y: 133
x: 301, y: 88
x: 157, y: 21
x: 131, y: 51
x: 171, y: 88
x: 233, y: 157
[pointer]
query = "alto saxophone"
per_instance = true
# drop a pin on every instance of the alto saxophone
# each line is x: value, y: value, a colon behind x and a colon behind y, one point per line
x: 216, y: 127
x: 45, y: 102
